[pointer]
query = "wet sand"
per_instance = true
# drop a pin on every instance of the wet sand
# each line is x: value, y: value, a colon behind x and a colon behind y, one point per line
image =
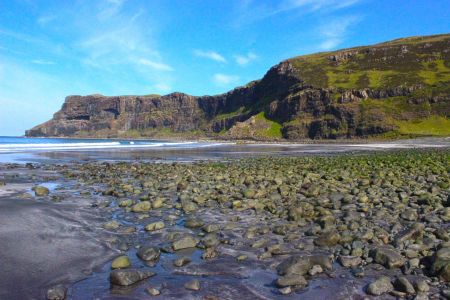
x: 43, y: 242
x: 61, y: 239
x: 221, y: 152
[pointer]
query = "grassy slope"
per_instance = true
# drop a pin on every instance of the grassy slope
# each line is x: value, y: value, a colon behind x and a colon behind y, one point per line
x: 423, y: 61
x: 273, y: 128
x: 379, y: 66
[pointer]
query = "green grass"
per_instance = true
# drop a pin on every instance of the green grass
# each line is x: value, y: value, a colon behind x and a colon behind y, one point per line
x: 432, y: 126
x: 394, y: 106
x: 231, y: 114
x: 434, y: 72
x: 391, y: 64
x: 274, y: 130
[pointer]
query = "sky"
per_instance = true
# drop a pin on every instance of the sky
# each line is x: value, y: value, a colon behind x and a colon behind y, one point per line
x: 51, y: 49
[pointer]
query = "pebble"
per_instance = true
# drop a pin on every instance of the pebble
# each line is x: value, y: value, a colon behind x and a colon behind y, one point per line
x: 193, y: 285
x: 121, y: 262
x: 57, y: 292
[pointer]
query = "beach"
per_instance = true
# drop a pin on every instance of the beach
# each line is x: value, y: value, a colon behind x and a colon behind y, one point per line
x: 227, y: 221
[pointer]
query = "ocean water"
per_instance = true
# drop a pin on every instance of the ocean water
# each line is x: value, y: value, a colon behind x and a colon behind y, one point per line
x: 25, y: 144
x: 57, y: 150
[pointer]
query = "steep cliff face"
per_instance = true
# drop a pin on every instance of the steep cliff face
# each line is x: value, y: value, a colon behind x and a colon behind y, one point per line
x: 99, y: 114
x: 396, y: 88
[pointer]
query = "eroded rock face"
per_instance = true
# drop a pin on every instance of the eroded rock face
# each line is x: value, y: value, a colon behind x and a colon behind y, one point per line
x: 299, y: 94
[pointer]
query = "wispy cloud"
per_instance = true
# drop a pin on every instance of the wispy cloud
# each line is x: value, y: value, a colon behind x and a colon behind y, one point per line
x: 42, y: 62
x: 123, y: 38
x: 110, y: 8
x: 44, y: 20
x: 210, y: 55
x: 162, y: 87
x: 313, y: 5
x: 155, y: 65
x: 224, y: 79
x: 250, y: 11
x: 245, y: 59
x: 335, y: 31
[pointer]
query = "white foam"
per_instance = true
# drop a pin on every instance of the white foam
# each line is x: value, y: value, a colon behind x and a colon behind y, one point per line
x: 100, y: 146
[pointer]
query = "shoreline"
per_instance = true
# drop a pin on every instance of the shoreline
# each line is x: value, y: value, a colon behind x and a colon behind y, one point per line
x: 247, y: 141
x: 206, y: 151
x: 249, y: 217
x: 237, y: 223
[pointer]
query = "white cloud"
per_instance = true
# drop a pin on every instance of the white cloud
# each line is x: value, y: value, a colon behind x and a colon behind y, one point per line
x: 155, y: 65
x: 162, y: 87
x: 109, y: 8
x: 121, y: 42
x: 252, y: 10
x: 211, y: 55
x: 42, y: 62
x: 245, y: 59
x: 224, y: 79
x: 318, y: 4
x: 335, y: 31
x: 44, y: 20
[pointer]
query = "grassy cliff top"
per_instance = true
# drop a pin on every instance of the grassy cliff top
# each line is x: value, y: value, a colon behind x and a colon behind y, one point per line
x: 402, y: 62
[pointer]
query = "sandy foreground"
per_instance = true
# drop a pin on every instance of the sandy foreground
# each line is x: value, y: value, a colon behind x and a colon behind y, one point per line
x: 45, y: 242
x: 323, y: 227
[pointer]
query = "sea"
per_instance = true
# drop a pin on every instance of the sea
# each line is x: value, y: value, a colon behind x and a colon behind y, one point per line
x: 28, y: 144
x: 28, y: 149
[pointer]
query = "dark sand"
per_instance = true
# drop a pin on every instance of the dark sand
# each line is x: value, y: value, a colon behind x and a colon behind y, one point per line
x: 45, y: 243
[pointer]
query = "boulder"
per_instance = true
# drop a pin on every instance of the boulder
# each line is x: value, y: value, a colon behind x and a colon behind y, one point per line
x: 387, y: 257
x: 148, y: 253
x: 121, y: 262
x: 350, y: 261
x: 57, y: 292
x: 291, y: 280
x: 380, y: 286
x: 193, y: 285
x: 412, y: 233
x: 40, y: 191
x: 300, y: 265
x: 125, y: 277
x: 441, y: 264
x: 328, y: 239
x: 187, y: 241
x: 155, y: 226
x: 402, y: 284
x: 142, y: 206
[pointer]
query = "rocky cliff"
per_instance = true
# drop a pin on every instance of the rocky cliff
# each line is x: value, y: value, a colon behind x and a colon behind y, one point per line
x: 401, y: 87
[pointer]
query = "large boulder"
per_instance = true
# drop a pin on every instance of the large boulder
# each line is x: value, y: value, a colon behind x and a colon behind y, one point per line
x: 148, y: 253
x: 40, y: 191
x: 121, y: 262
x: 187, y: 241
x: 328, y: 239
x: 300, y: 265
x: 441, y: 264
x: 143, y: 206
x: 291, y: 280
x: 125, y: 277
x: 57, y: 292
x: 380, y: 286
x: 412, y: 233
x: 387, y: 257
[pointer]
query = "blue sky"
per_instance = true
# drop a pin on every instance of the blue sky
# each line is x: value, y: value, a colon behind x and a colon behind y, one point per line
x: 50, y: 49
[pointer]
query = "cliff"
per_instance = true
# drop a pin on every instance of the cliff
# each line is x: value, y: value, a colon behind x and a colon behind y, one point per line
x: 401, y: 87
